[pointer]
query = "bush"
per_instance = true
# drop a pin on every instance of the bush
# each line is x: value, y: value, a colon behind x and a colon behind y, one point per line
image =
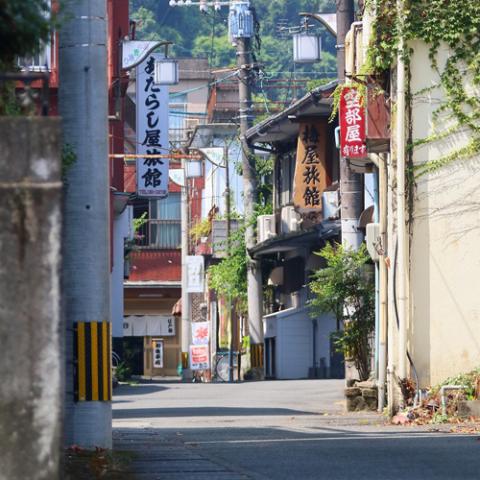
x: 123, y: 372
x: 346, y: 289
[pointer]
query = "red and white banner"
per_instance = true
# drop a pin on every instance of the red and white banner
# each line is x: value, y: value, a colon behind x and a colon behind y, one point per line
x: 200, y: 333
x: 199, y: 357
x: 352, y: 124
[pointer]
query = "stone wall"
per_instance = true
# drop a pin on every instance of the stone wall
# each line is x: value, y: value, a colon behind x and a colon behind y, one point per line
x: 31, y: 356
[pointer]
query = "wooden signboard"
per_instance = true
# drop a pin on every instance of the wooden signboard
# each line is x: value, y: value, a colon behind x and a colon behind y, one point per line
x: 310, y: 167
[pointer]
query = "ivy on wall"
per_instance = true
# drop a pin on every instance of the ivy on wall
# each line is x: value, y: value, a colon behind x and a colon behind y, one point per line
x: 438, y: 23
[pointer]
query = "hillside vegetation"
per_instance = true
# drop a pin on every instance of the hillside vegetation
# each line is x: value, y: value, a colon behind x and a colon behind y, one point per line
x: 205, y: 35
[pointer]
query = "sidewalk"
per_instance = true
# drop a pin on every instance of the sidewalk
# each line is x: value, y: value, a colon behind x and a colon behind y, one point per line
x: 153, y: 458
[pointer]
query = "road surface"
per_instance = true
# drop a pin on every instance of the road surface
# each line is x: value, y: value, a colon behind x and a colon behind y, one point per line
x: 277, y: 430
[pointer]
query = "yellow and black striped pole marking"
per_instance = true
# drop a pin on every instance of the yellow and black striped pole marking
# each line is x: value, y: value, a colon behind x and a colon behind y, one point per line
x: 256, y: 355
x: 93, y: 372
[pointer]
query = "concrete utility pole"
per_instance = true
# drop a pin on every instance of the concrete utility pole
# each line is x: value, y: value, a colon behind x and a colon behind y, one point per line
x: 233, y: 325
x: 30, y: 308
x: 254, y: 275
x: 240, y: 24
x: 351, y: 183
x: 83, y: 106
x: 186, y: 306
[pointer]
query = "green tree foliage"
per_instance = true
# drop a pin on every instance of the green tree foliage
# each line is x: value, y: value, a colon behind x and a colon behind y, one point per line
x: 23, y: 25
x: 441, y: 25
x: 229, y: 277
x: 217, y: 49
x: 205, y: 35
x: 345, y: 288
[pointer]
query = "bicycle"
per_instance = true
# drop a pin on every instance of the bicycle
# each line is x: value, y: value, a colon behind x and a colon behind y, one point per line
x: 222, y: 366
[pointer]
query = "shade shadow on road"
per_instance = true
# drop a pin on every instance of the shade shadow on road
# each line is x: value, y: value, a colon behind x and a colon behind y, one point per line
x: 282, y: 454
x: 140, y: 389
x: 204, y: 412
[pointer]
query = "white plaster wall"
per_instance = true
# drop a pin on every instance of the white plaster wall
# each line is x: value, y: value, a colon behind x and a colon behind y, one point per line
x: 214, y: 191
x: 121, y: 230
x: 294, y: 344
x: 326, y: 325
x: 444, y: 328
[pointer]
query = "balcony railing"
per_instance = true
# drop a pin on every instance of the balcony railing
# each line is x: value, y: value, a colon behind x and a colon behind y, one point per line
x: 159, y: 234
x: 39, y: 62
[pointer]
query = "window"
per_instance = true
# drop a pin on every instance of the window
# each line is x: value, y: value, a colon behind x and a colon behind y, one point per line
x: 177, y: 117
x: 41, y: 61
x: 285, y: 174
x: 164, y: 223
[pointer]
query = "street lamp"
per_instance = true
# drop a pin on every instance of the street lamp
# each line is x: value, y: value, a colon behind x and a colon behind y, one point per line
x: 306, y: 45
x: 166, y: 72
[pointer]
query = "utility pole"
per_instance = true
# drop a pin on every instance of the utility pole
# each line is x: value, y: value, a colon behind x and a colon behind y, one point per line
x: 83, y: 106
x: 241, y: 29
x: 351, y: 183
x: 233, y: 329
x: 254, y: 277
x: 186, y: 307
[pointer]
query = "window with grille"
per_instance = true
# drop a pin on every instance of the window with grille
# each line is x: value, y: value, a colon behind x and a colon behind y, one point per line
x: 165, y: 222
x: 177, y: 117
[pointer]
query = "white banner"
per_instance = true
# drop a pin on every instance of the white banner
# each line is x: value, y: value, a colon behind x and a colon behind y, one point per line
x: 148, y: 325
x: 200, y: 333
x: 152, y: 131
x: 195, y: 275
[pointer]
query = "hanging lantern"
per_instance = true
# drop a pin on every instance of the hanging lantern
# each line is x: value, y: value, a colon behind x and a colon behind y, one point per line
x: 306, y: 48
x: 166, y: 72
x: 193, y: 168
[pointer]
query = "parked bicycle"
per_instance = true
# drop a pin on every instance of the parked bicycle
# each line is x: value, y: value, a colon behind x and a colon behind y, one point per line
x: 222, y: 366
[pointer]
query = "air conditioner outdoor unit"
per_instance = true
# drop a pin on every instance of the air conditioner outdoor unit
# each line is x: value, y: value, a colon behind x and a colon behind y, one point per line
x: 265, y: 227
x: 290, y: 220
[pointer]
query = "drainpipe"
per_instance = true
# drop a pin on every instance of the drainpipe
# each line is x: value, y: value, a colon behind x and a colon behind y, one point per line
x: 382, y: 344
x: 401, y: 228
x: 376, y: 218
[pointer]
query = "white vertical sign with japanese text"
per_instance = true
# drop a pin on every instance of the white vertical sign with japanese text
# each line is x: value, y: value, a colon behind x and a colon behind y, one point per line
x: 195, y: 273
x: 152, y: 131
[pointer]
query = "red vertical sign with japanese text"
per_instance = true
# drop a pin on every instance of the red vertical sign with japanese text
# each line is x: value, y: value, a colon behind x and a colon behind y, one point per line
x: 352, y: 124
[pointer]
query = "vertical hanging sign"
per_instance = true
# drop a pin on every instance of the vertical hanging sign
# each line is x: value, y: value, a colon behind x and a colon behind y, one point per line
x: 152, y: 131
x: 310, y: 167
x: 352, y: 124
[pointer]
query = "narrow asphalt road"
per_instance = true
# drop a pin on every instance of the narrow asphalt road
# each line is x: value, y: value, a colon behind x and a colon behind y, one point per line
x: 276, y: 430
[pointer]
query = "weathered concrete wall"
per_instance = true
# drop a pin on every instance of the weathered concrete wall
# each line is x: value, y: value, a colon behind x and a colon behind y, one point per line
x: 30, y: 340
x: 444, y: 330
